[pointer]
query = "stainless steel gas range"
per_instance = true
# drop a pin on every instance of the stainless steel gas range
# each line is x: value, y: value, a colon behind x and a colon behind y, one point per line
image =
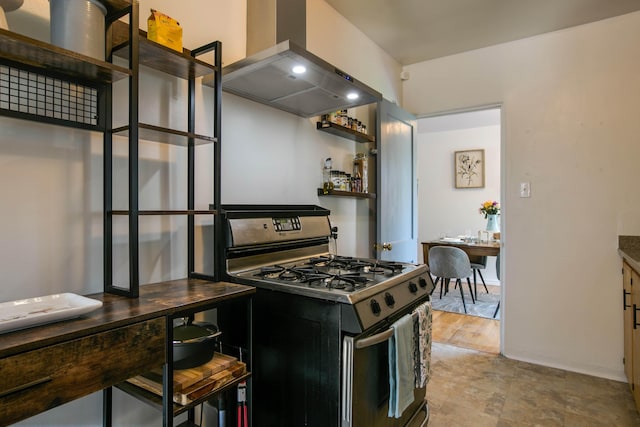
x: 321, y: 321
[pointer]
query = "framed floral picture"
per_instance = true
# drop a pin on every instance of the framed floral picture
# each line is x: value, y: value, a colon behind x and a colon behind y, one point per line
x: 469, y: 168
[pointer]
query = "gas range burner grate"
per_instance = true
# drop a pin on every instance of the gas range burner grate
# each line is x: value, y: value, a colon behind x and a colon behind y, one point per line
x: 348, y: 282
x: 315, y: 277
x: 355, y: 264
x: 270, y: 271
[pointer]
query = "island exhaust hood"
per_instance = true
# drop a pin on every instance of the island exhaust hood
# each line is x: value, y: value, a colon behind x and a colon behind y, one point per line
x: 278, y: 71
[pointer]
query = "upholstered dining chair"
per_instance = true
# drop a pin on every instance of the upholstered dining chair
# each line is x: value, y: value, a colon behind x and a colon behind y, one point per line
x: 478, y: 263
x: 446, y: 263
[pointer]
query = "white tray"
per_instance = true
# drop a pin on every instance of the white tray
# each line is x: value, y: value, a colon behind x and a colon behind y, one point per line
x: 29, y: 312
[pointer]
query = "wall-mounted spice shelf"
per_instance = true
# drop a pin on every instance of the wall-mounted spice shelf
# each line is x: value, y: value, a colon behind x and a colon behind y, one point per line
x: 340, y: 193
x: 344, y: 132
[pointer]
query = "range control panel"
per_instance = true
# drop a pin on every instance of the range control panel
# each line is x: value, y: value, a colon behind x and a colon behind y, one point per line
x: 287, y: 224
x: 267, y: 230
x: 393, y: 300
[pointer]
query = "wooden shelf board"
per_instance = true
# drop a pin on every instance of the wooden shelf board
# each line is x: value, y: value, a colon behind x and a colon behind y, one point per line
x: 321, y: 192
x: 167, y: 212
x: 344, y: 132
x: 53, y: 60
x: 159, y: 57
x: 156, y: 401
x: 165, y: 135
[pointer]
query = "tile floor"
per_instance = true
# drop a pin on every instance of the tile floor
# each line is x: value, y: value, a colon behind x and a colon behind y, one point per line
x: 477, y: 389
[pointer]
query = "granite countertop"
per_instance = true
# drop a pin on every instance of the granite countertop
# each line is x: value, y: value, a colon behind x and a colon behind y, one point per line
x: 629, y: 249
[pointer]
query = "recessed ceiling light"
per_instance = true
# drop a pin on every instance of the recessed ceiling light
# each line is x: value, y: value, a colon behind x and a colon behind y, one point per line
x: 299, y: 69
x: 352, y: 95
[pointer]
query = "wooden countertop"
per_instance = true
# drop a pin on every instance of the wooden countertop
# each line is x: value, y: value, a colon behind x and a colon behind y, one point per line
x: 155, y: 300
x: 472, y: 249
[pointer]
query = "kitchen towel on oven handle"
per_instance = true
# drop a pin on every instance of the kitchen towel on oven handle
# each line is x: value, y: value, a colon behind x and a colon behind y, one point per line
x: 422, y: 347
x: 401, y: 366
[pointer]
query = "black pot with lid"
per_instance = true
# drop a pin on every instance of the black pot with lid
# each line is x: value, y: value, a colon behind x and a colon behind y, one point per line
x: 194, y: 343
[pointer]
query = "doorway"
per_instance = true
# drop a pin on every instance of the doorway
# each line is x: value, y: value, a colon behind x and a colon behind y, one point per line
x: 445, y: 209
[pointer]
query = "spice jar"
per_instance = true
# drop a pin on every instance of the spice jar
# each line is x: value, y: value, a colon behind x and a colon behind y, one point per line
x: 343, y: 118
x: 335, y: 179
x: 343, y: 181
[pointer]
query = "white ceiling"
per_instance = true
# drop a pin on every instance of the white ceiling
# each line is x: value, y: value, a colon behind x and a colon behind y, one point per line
x: 417, y: 30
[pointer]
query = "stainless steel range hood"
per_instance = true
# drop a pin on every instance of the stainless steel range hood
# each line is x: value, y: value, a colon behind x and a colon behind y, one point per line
x: 274, y: 75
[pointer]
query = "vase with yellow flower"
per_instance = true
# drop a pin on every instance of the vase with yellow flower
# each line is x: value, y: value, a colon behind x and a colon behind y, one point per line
x: 491, y: 209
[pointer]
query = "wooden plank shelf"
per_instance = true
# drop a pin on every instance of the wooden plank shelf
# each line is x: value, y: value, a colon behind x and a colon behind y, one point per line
x: 344, y: 132
x: 165, y: 135
x: 159, y: 57
x: 340, y: 193
x: 52, y: 60
x: 154, y: 400
x: 167, y: 212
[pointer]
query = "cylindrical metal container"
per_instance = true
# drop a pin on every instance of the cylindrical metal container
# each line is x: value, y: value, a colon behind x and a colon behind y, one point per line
x: 78, y: 25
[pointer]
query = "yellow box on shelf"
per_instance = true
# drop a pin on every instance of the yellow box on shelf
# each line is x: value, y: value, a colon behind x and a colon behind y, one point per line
x: 164, y: 30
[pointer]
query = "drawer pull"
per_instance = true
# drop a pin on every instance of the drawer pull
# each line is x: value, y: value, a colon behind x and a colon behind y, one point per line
x: 24, y: 386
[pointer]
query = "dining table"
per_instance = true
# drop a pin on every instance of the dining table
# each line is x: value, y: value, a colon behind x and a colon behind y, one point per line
x: 473, y: 249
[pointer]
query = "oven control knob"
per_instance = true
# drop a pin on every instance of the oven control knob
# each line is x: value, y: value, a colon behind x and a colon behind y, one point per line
x: 423, y: 282
x: 389, y: 300
x: 413, y: 288
x: 375, y: 307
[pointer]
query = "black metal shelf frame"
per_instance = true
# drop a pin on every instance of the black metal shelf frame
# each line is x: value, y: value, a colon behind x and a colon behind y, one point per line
x: 133, y: 82
x: 46, y: 83
x: 182, y: 65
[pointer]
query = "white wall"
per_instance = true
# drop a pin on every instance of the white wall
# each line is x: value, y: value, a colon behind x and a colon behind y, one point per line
x: 571, y: 129
x: 444, y: 210
x: 51, y: 177
x: 336, y: 40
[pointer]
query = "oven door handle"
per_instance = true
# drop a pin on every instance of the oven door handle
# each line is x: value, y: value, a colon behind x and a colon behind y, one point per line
x: 374, y: 339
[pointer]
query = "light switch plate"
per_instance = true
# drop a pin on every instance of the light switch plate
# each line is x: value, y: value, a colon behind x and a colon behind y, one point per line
x: 525, y: 189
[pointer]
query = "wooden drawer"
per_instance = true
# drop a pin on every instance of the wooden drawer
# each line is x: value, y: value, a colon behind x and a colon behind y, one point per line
x: 42, y: 379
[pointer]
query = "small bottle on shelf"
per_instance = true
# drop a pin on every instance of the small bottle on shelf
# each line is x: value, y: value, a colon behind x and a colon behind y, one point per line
x: 360, y: 166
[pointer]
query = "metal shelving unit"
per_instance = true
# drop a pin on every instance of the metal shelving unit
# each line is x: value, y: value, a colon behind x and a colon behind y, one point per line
x: 141, y: 52
x: 45, y: 83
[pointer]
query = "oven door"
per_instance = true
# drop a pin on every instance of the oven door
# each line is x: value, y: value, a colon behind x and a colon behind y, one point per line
x: 365, y: 382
